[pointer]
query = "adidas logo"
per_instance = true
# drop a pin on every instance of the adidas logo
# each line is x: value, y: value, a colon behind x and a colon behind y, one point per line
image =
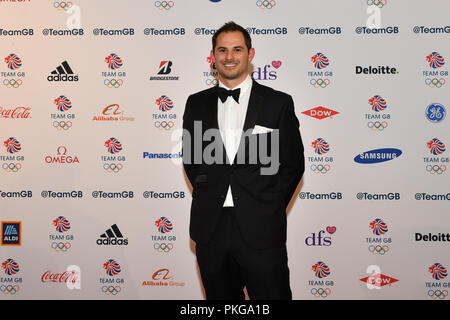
x: 62, y: 73
x: 112, y: 236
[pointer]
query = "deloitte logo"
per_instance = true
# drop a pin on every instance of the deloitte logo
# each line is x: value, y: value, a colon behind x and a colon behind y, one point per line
x: 376, y: 70
x: 113, y: 237
x: 63, y: 73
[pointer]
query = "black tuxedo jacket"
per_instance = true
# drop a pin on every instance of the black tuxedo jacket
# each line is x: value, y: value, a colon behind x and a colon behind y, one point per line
x: 260, y: 200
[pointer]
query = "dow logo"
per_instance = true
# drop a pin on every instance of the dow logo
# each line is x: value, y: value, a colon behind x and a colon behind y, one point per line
x: 377, y: 280
x: 63, y: 73
x: 320, y: 112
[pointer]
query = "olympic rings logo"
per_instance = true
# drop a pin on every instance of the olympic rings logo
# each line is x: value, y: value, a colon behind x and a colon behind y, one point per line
x: 11, y: 167
x: 111, y: 290
x: 12, y: 83
x: 113, y: 83
x: 266, y: 4
x: 62, y: 125
x: 61, y: 247
x: 378, y: 249
x: 432, y: 169
x: 62, y: 5
x: 9, y: 289
x: 434, y: 82
x: 438, y: 294
x: 164, y: 125
x: 378, y: 3
x: 320, y: 168
x: 319, y: 83
x: 211, y: 82
x: 321, y: 293
x: 113, y: 167
x: 161, y: 5
x: 380, y: 126
x: 163, y: 247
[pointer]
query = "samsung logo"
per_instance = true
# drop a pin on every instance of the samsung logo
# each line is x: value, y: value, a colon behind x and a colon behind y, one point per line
x: 378, y: 155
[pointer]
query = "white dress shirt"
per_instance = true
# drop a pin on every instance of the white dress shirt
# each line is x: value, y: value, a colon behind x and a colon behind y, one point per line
x: 231, y: 118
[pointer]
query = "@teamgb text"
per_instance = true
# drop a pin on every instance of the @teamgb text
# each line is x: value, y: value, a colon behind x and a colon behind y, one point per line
x: 258, y: 147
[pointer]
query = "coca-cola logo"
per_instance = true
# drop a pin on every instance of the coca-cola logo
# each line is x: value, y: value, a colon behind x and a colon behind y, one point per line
x: 15, y: 113
x: 65, y: 277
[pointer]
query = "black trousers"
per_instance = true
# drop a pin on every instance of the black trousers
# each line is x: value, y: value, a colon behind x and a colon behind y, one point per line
x: 227, y: 264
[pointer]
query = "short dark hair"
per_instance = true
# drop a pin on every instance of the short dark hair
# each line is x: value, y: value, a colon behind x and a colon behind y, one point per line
x: 232, y: 26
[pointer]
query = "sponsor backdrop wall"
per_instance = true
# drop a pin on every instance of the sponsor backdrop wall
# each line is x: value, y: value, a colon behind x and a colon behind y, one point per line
x: 95, y: 204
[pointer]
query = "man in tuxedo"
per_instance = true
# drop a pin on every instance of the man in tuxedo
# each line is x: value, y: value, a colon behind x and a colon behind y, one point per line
x: 240, y: 193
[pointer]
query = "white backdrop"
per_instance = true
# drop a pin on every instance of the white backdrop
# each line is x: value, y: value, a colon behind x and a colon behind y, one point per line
x: 338, y: 205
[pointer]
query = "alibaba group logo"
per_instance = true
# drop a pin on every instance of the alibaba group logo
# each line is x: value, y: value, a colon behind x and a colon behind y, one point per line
x: 112, y: 109
x: 162, y: 274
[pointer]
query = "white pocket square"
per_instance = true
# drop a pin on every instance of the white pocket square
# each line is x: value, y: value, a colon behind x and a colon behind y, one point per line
x: 260, y: 129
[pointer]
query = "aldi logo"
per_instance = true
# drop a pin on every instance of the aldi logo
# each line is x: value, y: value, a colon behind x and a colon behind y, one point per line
x: 320, y: 112
x: 11, y: 233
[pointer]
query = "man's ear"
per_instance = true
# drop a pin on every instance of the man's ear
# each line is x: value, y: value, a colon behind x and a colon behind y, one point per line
x: 251, y: 54
x: 212, y: 56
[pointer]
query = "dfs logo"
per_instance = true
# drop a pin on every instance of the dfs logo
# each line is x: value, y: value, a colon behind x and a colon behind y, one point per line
x: 263, y: 73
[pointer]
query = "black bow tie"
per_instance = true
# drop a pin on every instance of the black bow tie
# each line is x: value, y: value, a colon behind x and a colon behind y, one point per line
x: 224, y: 94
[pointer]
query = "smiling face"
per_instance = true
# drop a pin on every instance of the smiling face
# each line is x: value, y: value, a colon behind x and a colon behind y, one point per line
x: 232, y: 58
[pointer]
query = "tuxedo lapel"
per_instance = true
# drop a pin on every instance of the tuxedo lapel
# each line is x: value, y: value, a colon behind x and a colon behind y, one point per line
x: 211, y: 109
x: 212, y: 121
x: 254, y: 103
